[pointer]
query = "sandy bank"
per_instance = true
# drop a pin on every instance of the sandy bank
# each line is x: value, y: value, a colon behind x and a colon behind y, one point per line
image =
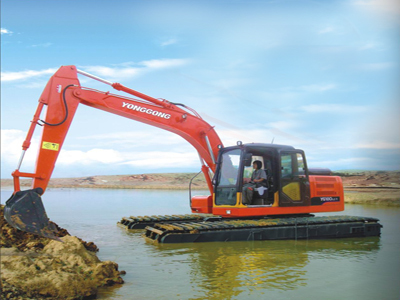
x: 372, y: 187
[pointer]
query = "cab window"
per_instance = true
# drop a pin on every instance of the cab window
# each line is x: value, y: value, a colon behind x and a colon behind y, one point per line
x: 300, y: 164
x: 230, y: 167
x: 286, y: 165
x: 292, y: 164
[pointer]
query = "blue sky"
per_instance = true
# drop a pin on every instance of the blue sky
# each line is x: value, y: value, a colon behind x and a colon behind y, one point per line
x: 322, y: 76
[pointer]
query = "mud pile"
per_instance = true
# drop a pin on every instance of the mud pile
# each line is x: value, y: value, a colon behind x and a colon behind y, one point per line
x: 40, y: 268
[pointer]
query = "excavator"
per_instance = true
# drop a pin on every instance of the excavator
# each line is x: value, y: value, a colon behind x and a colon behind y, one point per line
x: 281, y: 207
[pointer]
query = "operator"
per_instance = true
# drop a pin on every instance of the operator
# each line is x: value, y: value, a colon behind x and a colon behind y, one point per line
x: 258, y: 179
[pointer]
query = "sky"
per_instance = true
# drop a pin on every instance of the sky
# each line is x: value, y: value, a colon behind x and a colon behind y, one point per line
x: 322, y: 76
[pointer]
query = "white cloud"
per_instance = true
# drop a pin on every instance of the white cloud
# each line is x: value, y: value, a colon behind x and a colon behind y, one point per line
x: 342, y: 163
x: 115, y: 72
x: 264, y: 135
x: 316, y: 88
x: 162, y: 160
x: 44, y: 45
x: 383, y: 7
x: 218, y: 121
x: 183, y: 156
x: 282, y: 125
x: 378, y: 145
x: 11, y: 150
x: 93, y: 156
x: 169, y: 42
x: 38, y: 83
x: 125, y: 70
x: 311, y: 88
x: 147, y: 159
x: 179, y: 155
x: 333, y: 108
x: 22, y: 75
x: 371, y: 46
x: 325, y: 30
x: 6, y: 31
x: 129, y: 70
x: 11, y: 140
x: 163, y: 63
x: 376, y: 66
x: 151, y: 137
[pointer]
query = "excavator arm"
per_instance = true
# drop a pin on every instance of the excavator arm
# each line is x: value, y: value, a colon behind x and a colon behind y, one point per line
x: 62, y: 96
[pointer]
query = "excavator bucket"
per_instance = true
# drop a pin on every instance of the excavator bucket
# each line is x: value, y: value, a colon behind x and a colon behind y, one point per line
x: 25, y: 211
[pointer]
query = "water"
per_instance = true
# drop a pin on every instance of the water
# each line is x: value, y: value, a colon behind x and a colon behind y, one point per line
x: 359, y: 268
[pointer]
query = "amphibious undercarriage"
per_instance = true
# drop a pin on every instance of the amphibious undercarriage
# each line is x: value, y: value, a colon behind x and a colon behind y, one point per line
x: 206, y: 228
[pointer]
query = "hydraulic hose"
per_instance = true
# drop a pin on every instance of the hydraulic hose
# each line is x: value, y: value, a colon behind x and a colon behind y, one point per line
x: 66, y: 109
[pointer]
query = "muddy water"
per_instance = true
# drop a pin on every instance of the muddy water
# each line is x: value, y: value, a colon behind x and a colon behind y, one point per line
x: 366, y: 268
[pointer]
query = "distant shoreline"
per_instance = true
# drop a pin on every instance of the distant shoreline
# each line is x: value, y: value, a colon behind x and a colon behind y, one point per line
x: 369, y: 187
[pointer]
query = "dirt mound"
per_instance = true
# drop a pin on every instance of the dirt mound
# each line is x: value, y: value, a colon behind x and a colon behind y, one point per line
x: 176, y: 181
x: 371, y: 179
x: 32, y: 266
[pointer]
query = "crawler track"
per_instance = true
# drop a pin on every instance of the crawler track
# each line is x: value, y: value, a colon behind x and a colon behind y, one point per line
x: 181, y: 229
x: 141, y: 222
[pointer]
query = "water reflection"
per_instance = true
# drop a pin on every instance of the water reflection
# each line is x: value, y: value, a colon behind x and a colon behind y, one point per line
x: 224, y: 270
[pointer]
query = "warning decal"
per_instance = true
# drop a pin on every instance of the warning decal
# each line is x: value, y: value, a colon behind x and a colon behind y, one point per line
x: 50, y: 146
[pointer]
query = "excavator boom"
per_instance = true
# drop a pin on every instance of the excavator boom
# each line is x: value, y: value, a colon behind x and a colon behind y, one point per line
x: 62, y: 96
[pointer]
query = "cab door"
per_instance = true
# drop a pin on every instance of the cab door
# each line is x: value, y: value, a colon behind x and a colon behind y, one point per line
x: 226, y: 183
x: 294, y: 183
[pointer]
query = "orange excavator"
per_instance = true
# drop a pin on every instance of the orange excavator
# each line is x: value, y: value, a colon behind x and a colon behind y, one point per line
x: 279, y: 206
